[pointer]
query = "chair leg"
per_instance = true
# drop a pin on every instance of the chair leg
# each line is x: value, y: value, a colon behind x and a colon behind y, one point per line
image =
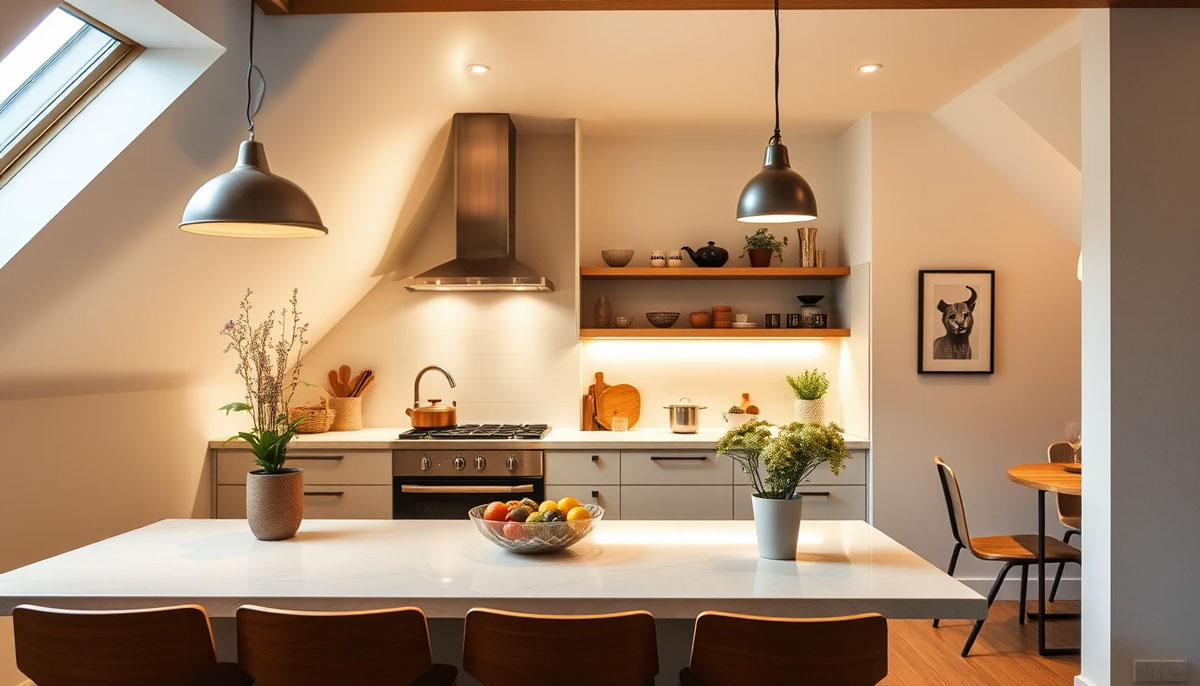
x: 1061, y: 565
x: 950, y: 570
x: 1024, y: 585
x: 991, y: 597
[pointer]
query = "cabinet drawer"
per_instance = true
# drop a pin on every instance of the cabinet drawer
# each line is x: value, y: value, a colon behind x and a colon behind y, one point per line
x: 583, y: 466
x: 364, y: 467
x: 605, y: 495
x: 320, y: 502
x: 674, y: 467
x: 676, y: 502
x: 854, y: 473
x: 843, y: 502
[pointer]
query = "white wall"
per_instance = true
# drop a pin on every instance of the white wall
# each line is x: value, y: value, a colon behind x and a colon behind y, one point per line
x: 935, y: 206
x: 854, y: 157
x: 1144, y: 484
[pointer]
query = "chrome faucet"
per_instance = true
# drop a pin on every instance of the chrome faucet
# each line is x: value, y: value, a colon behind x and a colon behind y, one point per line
x: 417, y: 383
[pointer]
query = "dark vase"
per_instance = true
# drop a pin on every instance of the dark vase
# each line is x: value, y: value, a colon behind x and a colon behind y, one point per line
x: 760, y: 257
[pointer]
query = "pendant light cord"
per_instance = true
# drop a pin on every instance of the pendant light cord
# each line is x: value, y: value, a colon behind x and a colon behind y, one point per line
x: 776, y: 138
x: 253, y: 107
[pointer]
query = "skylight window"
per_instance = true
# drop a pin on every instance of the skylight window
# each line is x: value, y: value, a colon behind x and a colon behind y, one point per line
x: 48, y: 77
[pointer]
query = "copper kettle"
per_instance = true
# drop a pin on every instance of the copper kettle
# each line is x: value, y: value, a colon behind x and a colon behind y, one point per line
x: 435, y: 415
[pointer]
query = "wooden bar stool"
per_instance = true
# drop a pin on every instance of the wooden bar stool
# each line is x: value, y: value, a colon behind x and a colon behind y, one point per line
x: 502, y: 648
x: 734, y: 650
x: 165, y: 646
x: 294, y: 648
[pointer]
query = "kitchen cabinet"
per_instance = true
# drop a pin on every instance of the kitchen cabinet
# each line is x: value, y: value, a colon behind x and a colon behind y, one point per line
x: 677, y: 502
x: 674, y: 467
x: 582, y: 466
x: 340, y: 484
x: 607, y: 496
x: 320, y: 502
x: 820, y: 502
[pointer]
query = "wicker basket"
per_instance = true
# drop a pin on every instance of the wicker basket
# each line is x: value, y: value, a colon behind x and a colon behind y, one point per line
x: 348, y: 414
x: 320, y: 418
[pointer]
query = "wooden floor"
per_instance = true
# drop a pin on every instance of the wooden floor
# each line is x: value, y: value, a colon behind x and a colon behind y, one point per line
x: 1005, y: 654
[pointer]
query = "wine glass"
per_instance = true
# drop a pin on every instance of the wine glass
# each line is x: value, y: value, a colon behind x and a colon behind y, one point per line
x: 1073, y: 438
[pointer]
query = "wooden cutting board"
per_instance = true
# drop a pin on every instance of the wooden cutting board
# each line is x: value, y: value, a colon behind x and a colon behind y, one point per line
x: 622, y: 400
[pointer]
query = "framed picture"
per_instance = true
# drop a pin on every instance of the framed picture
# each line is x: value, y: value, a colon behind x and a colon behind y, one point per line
x: 956, y: 318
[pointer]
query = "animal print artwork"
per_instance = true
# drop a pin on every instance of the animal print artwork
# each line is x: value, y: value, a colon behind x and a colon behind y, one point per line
x: 958, y: 319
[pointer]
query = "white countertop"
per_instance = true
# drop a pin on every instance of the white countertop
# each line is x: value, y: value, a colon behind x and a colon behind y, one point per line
x: 387, y: 438
x: 673, y: 569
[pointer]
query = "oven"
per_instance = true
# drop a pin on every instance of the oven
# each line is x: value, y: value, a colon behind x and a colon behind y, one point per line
x: 445, y: 483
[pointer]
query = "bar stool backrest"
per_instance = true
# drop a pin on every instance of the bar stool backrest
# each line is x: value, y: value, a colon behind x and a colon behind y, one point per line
x: 1069, y: 506
x: 954, y: 503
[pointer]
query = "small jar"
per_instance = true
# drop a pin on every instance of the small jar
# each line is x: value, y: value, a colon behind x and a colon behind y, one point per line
x: 619, y: 423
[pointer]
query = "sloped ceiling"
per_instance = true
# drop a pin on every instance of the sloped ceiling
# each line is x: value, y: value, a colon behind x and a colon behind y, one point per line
x: 112, y: 296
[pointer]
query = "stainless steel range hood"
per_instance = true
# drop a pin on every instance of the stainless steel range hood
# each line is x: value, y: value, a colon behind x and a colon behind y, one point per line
x: 485, y: 175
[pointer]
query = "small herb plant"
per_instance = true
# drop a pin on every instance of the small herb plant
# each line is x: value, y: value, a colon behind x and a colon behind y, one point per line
x: 763, y: 239
x: 270, y: 377
x: 787, y: 454
x: 809, y: 385
x: 735, y: 409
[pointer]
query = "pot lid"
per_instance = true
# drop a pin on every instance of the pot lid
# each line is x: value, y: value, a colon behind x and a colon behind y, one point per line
x: 685, y: 402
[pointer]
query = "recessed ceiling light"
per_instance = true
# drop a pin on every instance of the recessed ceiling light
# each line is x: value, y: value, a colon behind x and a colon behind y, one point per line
x: 478, y: 68
x: 869, y: 68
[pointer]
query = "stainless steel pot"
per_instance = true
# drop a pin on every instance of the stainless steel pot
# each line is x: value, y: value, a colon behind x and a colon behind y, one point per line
x: 685, y: 416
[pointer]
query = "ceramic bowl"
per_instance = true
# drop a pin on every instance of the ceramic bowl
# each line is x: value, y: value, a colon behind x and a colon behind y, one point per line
x: 736, y: 420
x: 663, y: 320
x: 616, y: 258
x: 623, y: 322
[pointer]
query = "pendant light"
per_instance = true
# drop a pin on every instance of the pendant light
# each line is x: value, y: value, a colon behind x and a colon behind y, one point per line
x: 777, y: 193
x: 249, y: 201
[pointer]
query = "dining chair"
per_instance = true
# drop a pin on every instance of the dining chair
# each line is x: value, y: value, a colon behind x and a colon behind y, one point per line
x: 368, y: 647
x: 1013, y: 550
x: 1070, y: 507
x: 502, y: 648
x: 734, y: 650
x: 163, y: 646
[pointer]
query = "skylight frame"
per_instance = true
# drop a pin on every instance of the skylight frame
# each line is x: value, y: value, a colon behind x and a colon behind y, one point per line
x: 73, y: 96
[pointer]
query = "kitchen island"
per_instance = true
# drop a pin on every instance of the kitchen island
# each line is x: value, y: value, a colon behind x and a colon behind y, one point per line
x: 674, y: 569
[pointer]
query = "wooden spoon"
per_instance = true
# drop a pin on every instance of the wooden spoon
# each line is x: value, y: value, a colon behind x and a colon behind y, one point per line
x: 344, y: 379
x: 334, y: 386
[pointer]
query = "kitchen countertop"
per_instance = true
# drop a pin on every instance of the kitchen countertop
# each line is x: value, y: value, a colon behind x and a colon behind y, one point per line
x: 387, y: 438
x: 673, y: 569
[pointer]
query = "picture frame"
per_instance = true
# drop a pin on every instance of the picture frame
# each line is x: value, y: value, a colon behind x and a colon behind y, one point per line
x: 956, y: 321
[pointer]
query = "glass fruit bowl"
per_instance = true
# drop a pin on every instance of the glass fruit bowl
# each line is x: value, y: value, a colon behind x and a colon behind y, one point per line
x: 536, y: 537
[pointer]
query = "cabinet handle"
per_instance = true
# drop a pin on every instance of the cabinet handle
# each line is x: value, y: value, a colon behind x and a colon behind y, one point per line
x: 318, y: 457
x: 417, y: 488
x: 815, y: 494
x: 595, y: 494
x: 674, y: 458
x: 595, y: 458
x: 336, y: 494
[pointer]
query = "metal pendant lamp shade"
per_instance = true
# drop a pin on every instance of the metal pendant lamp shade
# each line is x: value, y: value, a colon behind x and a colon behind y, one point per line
x: 249, y: 201
x: 777, y: 193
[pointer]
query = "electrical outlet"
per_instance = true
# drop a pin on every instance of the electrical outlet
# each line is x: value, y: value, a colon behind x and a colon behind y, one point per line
x: 1175, y: 671
x: 1147, y: 671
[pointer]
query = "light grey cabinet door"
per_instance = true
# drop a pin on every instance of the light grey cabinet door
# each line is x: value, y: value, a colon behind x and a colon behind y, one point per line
x: 582, y: 466
x: 607, y: 496
x: 676, y: 502
x: 820, y: 502
x: 674, y: 467
x: 320, y: 502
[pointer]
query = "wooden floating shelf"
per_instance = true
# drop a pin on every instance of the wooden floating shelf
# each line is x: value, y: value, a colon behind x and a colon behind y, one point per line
x: 713, y: 272
x: 684, y: 332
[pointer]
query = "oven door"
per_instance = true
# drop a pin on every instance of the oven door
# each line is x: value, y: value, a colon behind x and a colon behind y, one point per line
x: 434, y: 498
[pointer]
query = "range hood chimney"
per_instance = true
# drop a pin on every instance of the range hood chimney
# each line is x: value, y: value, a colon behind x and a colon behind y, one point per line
x: 485, y: 176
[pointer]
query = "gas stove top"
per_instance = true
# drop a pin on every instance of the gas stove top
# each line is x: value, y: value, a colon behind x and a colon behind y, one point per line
x: 481, y: 432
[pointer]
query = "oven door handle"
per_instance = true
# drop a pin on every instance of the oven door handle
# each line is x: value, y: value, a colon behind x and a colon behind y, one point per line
x: 414, y: 488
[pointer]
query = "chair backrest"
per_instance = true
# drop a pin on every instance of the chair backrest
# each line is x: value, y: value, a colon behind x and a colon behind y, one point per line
x: 954, y: 503
x: 501, y: 648
x: 163, y: 646
x: 1068, y: 505
x: 292, y: 648
x: 733, y: 650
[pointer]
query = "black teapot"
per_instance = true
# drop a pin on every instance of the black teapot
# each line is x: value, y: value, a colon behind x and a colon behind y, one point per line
x: 710, y: 256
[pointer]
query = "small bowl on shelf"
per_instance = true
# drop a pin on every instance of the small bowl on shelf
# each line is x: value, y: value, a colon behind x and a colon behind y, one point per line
x: 623, y: 322
x: 662, y: 320
x: 536, y: 537
x: 616, y: 258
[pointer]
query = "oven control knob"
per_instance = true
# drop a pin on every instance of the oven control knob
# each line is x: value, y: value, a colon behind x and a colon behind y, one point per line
x: 511, y: 464
x: 425, y: 464
x: 459, y: 463
x: 480, y: 463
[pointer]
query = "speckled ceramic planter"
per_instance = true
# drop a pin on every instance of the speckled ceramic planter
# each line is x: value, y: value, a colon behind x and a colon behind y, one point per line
x: 275, y: 504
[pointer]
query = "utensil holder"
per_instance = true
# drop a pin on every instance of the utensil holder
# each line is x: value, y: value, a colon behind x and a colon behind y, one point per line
x: 347, y: 414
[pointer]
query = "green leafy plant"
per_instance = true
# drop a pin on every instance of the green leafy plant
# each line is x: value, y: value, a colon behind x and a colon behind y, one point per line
x: 270, y: 377
x: 735, y: 409
x: 810, y: 384
x: 777, y: 459
x: 763, y: 239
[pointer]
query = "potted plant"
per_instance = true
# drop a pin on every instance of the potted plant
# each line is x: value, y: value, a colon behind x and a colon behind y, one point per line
x: 274, y: 493
x: 810, y: 388
x: 760, y: 245
x: 777, y: 459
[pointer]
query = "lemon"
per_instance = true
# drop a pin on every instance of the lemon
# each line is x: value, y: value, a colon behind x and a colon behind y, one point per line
x: 578, y: 513
x: 548, y: 506
x: 568, y: 503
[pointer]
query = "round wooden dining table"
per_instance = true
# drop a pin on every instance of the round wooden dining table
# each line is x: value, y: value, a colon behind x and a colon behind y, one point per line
x: 1056, y: 478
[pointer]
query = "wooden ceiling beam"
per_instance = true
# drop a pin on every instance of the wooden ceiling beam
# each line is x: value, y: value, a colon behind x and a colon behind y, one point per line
x: 371, y: 6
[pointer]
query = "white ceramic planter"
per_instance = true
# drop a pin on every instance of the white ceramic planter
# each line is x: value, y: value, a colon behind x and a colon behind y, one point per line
x: 809, y: 411
x: 777, y: 525
x: 275, y: 504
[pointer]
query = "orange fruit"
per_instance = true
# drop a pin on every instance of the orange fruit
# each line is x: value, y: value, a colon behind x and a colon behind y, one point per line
x: 568, y: 503
x: 496, y: 512
x: 578, y: 514
x: 547, y: 506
